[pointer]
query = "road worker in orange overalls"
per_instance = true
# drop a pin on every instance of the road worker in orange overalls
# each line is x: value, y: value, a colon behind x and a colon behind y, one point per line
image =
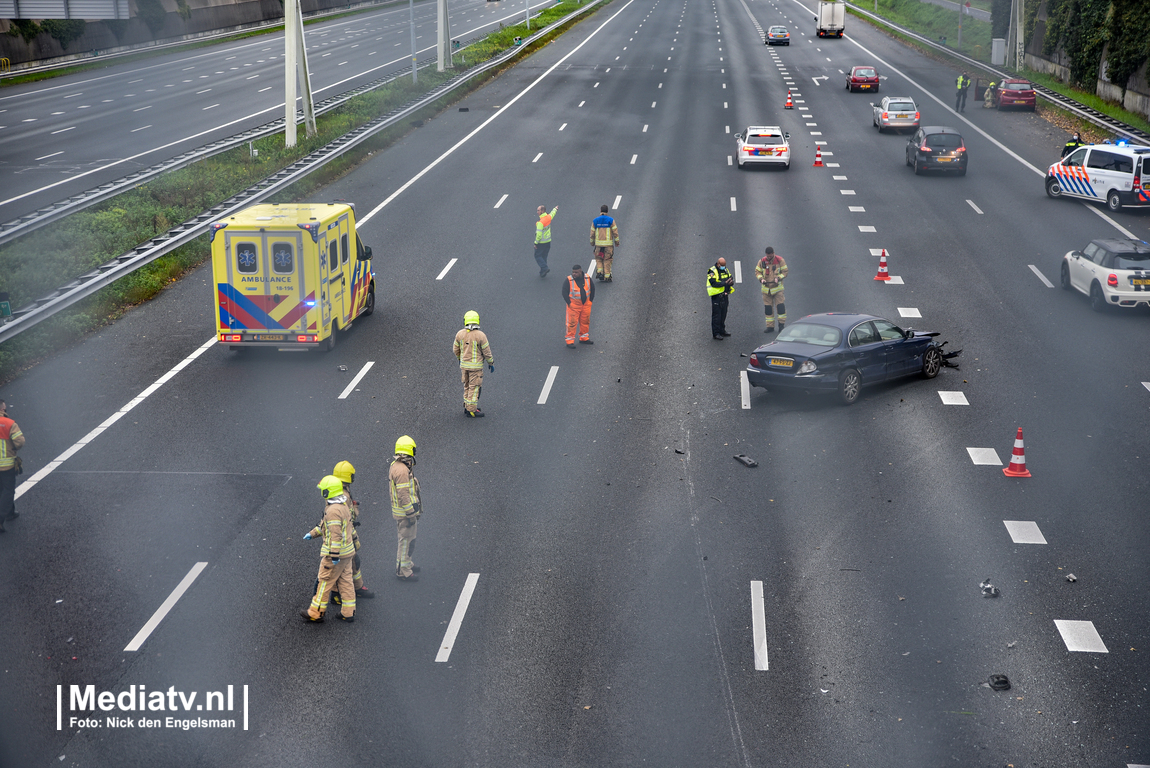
x: 578, y: 292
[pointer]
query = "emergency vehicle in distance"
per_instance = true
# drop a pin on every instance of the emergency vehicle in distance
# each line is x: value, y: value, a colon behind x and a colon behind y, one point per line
x: 290, y: 276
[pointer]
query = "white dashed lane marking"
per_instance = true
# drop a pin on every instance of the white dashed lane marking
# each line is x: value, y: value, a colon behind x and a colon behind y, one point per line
x: 1041, y: 276
x: 733, y: 204
x: 856, y: 209
x: 536, y: 160
x: 634, y: 158
x: 759, y: 625
x: 618, y: 199
x: 845, y: 191
x: 450, y: 264
x: 866, y: 228
x: 953, y: 398
x: 563, y: 126
x: 367, y: 366
x: 457, y: 618
x: 1080, y: 636
x: 166, y: 606
x: 1024, y: 532
x: 547, y: 385
x: 975, y: 207
x: 909, y: 312
x: 1147, y: 385
x: 501, y: 201
x: 984, y: 456
x: 839, y: 178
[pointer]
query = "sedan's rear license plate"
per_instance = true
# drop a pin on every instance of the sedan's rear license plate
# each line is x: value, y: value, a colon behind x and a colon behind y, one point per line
x: 782, y: 362
x: 268, y: 337
x: 1140, y: 281
x: 901, y: 117
x: 944, y: 159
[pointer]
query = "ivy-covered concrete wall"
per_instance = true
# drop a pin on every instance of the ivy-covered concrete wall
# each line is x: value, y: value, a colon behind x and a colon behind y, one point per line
x: 1102, y: 45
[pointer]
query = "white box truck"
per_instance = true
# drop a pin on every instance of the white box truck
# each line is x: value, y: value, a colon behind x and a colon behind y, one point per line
x: 831, y: 19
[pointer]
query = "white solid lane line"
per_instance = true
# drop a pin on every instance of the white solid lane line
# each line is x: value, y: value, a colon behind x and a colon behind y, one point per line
x: 909, y: 312
x: 501, y: 201
x: 457, y: 618
x: 1041, y: 276
x: 984, y: 456
x: 55, y: 463
x: 738, y: 272
x: 1080, y: 636
x: 367, y: 367
x: 547, y: 384
x: 451, y: 263
x: 745, y: 390
x: 166, y: 606
x: 618, y: 199
x: 759, y: 624
x: 1024, y: 532
x: 953, y: 398
x: 1147, y: 385
x: 975, y: 207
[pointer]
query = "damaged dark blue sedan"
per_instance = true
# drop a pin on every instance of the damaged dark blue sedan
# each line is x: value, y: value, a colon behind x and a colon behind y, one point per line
x: 840, y: 352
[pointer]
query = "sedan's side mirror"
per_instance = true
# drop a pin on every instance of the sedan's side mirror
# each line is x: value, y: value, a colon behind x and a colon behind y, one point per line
x: 787, y: 136
x: 739, y: 136
x: 908, y: 333
x: 1076, y: 254
x: 872, y: 103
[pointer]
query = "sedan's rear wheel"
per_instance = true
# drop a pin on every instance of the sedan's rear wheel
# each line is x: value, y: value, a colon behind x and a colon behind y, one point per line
x: 917, y: 170
x: 850, y: 384
x: 1065, y: 277
x: 1097, y: 300
x: 1053, y: 188
x: 931, y: 362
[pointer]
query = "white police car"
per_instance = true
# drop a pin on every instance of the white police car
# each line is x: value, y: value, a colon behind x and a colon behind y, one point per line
x: 1110, y: 173
x: 763, y: 144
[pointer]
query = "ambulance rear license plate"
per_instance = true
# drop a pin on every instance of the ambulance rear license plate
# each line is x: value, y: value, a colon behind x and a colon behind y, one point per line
x: 268, y: 337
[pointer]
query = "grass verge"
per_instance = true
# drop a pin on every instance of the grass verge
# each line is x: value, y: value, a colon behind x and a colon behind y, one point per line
x: 934, y: 22
x: 36, y: 264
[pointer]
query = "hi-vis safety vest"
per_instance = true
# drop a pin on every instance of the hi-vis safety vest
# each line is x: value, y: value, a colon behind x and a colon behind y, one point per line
x: 543, y: 231
x: 718, y: 274
x: 962, y: 82
x: 574, y: 288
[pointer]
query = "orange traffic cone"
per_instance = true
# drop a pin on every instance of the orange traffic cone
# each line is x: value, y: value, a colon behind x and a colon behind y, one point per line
x: 790, y: 104
x: 1017, y: 465
x: 882, y: 274
x: 819, y: 158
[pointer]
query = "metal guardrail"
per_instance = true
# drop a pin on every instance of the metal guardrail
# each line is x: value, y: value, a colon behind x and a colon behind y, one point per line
x: 22, y: 225
x: 106, y: 274
x: 1090, y: 115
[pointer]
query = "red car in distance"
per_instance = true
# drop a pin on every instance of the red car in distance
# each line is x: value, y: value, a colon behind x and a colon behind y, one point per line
x: 1014, y: 92
x: 863, y: 78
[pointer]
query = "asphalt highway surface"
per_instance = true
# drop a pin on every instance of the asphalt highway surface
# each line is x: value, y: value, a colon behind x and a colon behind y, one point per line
x: 62, y: 136
x: 601, y: 583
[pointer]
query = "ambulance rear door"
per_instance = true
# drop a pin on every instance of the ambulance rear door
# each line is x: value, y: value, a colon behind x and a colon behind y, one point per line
x: 265, y: 290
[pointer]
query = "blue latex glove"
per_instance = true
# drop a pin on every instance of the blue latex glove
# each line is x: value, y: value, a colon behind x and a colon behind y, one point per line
x: 335, y: 561
x: 491, y: 368
x: 307, y: 536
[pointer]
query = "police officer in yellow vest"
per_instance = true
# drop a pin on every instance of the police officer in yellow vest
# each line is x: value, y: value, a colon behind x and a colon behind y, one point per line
x: 1072, y: 145
x: 543, y: 237
x: 960, y: 96
x: 472, y: 349
x: 720, y: 285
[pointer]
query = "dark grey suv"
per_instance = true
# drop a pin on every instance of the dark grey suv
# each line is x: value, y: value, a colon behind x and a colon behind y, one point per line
x: 936, y: 148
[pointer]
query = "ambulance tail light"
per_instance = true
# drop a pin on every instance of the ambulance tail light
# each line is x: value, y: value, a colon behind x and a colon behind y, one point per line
x: 229, y: 337
x: 304, y: 338
x: 1112, y: 280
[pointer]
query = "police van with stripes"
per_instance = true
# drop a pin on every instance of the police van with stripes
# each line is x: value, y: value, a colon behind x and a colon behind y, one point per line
x: 1109, y: 173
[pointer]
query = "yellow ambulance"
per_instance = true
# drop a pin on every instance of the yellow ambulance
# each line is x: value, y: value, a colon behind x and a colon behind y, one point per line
x: 290, y: 276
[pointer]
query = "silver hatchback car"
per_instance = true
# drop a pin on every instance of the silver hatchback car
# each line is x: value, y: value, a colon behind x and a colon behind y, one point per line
x: 896, y: 113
